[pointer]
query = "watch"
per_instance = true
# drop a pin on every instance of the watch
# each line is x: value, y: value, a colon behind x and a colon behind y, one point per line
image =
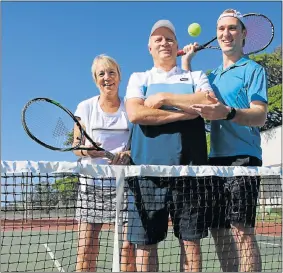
x: 231, y: 114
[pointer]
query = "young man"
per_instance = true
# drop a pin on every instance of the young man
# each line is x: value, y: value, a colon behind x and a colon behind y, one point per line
x: 240, y: 85
x: 173, y: 134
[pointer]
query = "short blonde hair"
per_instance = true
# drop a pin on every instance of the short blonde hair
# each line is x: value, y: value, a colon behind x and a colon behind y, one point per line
x: 107, y: 62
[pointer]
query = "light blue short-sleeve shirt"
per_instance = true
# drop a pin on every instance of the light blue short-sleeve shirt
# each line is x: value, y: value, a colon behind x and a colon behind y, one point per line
x: 237, y: 86
x: 175, y: 143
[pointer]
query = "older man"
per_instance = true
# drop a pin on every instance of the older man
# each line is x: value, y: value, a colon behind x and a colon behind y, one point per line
x: 167, y: 131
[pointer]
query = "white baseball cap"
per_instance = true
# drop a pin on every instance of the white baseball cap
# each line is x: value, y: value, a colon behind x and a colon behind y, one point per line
x: 163, y: 23
x: 235, y: 14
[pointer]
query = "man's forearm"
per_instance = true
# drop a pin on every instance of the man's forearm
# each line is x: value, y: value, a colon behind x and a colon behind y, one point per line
x: 250, y: 117
x: 185, y: 101
x: 186, y: 65
x: 148, y: 116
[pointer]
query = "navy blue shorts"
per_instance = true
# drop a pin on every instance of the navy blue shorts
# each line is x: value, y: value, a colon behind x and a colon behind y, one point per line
x: 235, y: 198
x: 185, y: 199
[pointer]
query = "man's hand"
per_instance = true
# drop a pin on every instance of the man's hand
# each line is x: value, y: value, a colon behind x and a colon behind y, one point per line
x: 155, y: 101
x: 213, y: 111
x: 209, y: 95
x: 187, y: 58
x: 190, y: 51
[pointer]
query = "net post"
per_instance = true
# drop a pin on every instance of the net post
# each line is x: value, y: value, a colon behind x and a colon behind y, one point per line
x: 25, y: 197
x: 120, y: 183
x: 262, y: 201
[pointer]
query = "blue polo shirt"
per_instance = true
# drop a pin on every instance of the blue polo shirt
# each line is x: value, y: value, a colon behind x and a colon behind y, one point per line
x: 176, y: 143
x: 237, y: 86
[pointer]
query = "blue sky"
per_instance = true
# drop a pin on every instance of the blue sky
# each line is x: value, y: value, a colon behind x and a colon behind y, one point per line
x: 48, y: 48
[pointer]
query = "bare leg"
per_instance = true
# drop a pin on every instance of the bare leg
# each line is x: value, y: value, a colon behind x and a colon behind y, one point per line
x: 250, y: 258
x: 226, y: 249
x: 128, y: 258
x: 147, y: 258
x: 88, y: 247
x: 190, y: 259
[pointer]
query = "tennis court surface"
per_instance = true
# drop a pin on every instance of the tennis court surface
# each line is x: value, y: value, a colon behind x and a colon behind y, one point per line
x: 40, y: 231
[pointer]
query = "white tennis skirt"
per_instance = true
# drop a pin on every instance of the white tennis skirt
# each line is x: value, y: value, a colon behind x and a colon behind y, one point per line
x: 97, y: 204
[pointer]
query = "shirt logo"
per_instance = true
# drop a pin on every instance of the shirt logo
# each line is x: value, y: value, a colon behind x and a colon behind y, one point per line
x: 184, y: 79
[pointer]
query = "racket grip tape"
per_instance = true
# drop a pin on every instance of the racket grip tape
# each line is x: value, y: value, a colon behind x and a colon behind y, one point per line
x: 182, y: 53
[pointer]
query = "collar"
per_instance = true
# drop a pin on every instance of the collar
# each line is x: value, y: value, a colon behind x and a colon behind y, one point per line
x: 245, y: 59
x: 173, y: 71
x: 241, y: 62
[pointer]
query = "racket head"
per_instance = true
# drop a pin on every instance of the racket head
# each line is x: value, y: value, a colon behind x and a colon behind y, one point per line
x: 260, y: 33
x: 50, y: 124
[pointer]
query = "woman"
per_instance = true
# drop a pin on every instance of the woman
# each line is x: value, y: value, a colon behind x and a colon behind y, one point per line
x: 105, y: 120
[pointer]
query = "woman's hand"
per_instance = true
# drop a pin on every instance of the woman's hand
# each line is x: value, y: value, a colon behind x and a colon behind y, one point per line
x: 93, y: 153
x: 122, y: 158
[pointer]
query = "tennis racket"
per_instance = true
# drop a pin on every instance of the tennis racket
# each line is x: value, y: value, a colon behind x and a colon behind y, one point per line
x: 51, y: 125
x: 260, y: 33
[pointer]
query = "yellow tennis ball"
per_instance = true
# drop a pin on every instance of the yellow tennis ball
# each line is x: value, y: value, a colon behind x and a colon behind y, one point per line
x: 194, y: 29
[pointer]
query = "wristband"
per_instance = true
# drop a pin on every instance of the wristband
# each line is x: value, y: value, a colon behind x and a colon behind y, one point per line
x: 231, y: 114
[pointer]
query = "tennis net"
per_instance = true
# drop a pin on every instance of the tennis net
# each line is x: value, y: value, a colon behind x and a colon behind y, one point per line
x: 45, y: 205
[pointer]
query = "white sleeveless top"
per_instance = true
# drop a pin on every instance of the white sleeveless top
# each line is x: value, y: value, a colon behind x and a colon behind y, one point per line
x: 111, y: 130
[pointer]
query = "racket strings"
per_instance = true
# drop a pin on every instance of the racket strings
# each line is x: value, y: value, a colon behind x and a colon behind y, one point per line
x: 259, y: 33
x: 49, y: 124
x: 60, y: 129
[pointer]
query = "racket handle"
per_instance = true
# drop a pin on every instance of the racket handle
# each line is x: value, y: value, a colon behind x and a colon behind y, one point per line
x: 109, y: 155
x: 182, y: 53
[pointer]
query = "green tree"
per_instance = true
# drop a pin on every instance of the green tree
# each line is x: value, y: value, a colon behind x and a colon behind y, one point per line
x: 208, y: 72
x: 70, y: 139
x: 67, y: 188
x: 275, y: 98
x: 274, y: 115
x: 273, y: 65
x: 43, y: 195
x: 208, y: 142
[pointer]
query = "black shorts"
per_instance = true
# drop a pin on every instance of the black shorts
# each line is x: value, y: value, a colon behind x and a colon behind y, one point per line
x: 184, y: 198
x: 235, y: 198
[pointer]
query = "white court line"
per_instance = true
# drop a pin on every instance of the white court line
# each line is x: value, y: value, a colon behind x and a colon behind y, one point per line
x: 66, y: 243
x: 268, y: 237
x: 269, y: 244
x: 258, y: 240
x: 57, y: 264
